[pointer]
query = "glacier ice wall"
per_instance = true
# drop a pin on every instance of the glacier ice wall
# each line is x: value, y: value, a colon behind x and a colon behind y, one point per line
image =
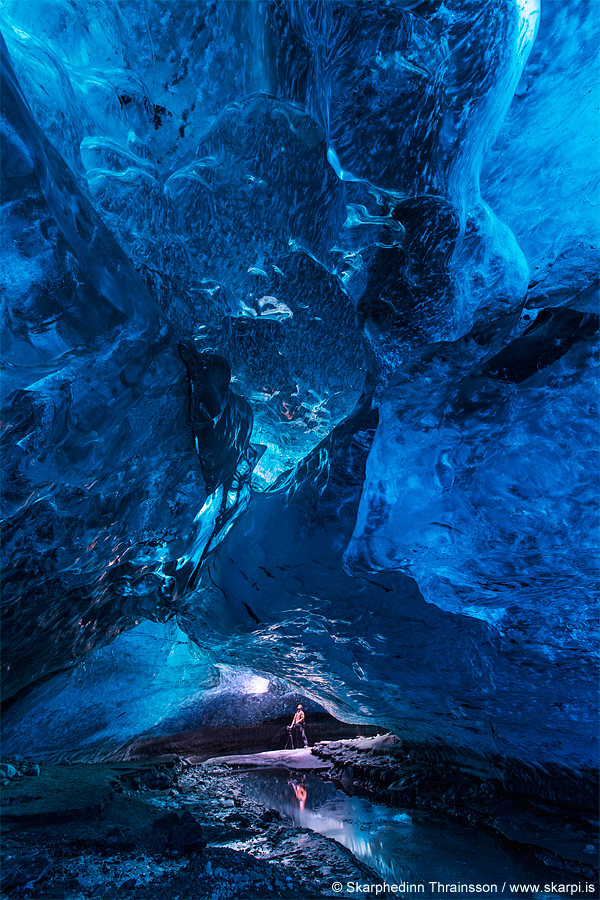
x: 96, y: 515
x: 298, y: 343
x: 211, y: 186
x: 145, y: 676
x: 370, y: 645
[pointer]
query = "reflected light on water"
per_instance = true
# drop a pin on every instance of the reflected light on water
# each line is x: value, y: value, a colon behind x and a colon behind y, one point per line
x: 399, y: 844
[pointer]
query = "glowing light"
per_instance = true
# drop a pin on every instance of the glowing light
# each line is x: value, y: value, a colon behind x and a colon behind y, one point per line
x: 257, y: 685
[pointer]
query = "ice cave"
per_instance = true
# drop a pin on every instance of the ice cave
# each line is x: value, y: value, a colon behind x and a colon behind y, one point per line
x: 300, y: 410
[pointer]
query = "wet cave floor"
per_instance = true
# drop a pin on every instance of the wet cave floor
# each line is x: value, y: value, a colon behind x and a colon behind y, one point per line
x: 179, y: 829
x: 159, y: 829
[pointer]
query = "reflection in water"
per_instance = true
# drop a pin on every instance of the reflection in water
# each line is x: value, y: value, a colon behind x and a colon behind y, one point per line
x: 411, y: 846
x: 317, y: 804
x: 300, y: 792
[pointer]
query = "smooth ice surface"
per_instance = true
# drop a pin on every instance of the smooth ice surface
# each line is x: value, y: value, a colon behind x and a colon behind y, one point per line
x: 299, y: 348
x: 485, y: 496
x: 144, y: 677
x: 298, y: 760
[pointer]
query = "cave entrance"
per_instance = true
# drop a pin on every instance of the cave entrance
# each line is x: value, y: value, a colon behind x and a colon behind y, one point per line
x: 247, y: 711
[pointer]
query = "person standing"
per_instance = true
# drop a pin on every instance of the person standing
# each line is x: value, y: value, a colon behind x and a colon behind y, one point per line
x: 297, y: 728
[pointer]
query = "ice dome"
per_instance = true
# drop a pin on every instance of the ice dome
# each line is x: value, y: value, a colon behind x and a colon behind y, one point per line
x: 299, y: 367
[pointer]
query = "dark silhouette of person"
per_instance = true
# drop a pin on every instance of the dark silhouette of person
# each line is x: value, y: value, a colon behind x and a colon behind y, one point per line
x: 297, y: 728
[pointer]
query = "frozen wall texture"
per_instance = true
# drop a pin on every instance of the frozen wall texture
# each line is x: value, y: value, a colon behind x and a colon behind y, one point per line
x: 299, y: 348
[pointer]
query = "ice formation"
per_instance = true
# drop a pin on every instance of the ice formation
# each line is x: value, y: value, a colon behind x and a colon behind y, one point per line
x: 298, y: 336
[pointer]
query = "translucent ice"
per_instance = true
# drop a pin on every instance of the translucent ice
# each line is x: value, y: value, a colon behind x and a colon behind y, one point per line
x: 296, y: 353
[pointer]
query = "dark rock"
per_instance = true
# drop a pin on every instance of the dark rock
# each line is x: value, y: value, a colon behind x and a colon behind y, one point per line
x: 59, y: 794
x: 155, y: 778
x: 185, y: 833
x: 165, y: 823
x: 129, y: 885
x: 238, y: 819
x: 119, y: 839
x: 187, y: 836
x: 23, y: 869
x: 270, y: 815
x: 220, y: 832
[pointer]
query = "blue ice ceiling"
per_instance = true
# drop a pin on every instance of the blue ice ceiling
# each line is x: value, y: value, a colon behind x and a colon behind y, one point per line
x: 299, y: 364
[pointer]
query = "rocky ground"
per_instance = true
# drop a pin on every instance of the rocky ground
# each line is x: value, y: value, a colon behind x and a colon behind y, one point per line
x: 176, y: 828
x: 156, y: 830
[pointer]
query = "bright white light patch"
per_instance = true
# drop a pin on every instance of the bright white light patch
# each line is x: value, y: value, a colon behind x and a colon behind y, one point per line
x: 257, y: 685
